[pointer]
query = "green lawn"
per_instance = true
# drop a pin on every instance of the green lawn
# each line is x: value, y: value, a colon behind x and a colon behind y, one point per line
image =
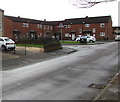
x: 69, y: 42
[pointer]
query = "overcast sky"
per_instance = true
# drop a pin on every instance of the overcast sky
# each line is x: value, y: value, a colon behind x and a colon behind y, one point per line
x: 53, y: 10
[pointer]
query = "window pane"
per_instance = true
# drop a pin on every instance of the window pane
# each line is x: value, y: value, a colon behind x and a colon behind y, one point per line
x: 87, y: 25
x: 102, y: 33
x: 102, y: 25
x: 80, y: 30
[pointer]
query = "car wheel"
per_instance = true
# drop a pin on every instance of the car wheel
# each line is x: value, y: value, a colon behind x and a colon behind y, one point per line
x: 3, y: 48
x: 91, y: 41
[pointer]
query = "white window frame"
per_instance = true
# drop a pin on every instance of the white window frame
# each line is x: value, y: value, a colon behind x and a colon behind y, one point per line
x: 44, y: 26
x: 25, y: 24
x: 51, y: 27
x: 87, y: 25
x: 48, y: 27
x: 66, y: 35
x: 39, y: 25
x: 94, y: 30
x: 80, y: 30
x: 69, y: 26
x: 102, y: 33
x: 65, y: 26
x: 102, y: 25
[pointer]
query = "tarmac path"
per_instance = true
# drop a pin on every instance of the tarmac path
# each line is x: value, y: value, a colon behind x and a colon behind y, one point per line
x: 64, y: 78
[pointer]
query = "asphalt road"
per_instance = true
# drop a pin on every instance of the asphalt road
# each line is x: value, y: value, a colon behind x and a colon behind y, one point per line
x: 63, y: 78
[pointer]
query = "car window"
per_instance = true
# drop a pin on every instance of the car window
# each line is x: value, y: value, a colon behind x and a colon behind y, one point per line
x: 1, y: 40
x: 7, y: 40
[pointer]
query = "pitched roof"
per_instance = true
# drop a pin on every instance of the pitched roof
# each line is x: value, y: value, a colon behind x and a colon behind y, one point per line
x: 32, y: 21
x: 88, y: 20
x: 24, y: 20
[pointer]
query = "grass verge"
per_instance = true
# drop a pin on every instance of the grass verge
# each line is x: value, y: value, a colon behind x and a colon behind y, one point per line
x: 69, y: 42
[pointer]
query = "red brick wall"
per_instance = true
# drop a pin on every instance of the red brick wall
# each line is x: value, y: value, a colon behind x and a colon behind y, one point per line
x: 75, y: 27
x: 8, y: 26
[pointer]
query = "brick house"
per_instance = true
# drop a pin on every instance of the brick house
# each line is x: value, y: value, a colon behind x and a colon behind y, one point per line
x: 16, y: 27
x: 68, y: 29
x: 100, y: 27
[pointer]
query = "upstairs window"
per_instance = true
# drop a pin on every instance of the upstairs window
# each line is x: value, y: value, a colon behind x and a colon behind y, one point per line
x: 25, y: 24
x: 39, y: 25
x: 102, y: 25
x: 69, y: 26
x: 87, y: 25
x: 48, y: 27
x: 44, y: 26
x: 51, y: 27
x: 65, y: 26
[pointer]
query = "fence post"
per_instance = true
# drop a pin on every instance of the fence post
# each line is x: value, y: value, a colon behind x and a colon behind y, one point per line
x: 25, y: 49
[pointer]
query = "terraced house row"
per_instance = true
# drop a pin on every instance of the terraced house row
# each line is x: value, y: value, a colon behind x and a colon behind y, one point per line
x: 68, y: 29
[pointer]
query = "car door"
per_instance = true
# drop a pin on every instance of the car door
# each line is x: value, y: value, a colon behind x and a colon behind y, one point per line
x: 88, y: 38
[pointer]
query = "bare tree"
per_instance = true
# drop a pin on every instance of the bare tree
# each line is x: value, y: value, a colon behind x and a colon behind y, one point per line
x: 87, y: 3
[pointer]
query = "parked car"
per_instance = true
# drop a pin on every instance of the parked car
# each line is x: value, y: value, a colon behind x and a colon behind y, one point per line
x: 117, y: 37
x: 77, y: 38
x: 7, y: 43
x: 88, y: 38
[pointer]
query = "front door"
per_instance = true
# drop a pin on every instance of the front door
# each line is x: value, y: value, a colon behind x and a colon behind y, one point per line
x: 72, y: 36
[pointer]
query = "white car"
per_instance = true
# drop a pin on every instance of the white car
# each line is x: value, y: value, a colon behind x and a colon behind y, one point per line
x: 7, y: 43
x: 88, y: 38
x: 117, y: 37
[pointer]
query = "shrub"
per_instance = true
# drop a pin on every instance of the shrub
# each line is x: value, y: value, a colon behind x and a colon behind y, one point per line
x: 39, y: 41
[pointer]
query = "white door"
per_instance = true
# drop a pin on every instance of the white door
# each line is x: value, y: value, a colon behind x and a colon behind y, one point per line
x: 73, y: 36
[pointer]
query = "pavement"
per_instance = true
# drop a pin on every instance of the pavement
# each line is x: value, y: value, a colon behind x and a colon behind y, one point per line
x: 111, y: 91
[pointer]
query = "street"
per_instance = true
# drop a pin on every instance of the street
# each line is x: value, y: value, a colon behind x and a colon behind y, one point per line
x: 63, y: 78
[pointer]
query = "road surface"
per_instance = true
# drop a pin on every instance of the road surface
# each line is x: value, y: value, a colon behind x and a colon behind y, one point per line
x: 63, y: 78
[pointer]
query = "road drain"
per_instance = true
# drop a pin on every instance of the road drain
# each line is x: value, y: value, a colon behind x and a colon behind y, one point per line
x: 97, y: 86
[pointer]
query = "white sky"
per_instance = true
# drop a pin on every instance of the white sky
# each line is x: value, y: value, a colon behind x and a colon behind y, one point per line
x: 53, y: 10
